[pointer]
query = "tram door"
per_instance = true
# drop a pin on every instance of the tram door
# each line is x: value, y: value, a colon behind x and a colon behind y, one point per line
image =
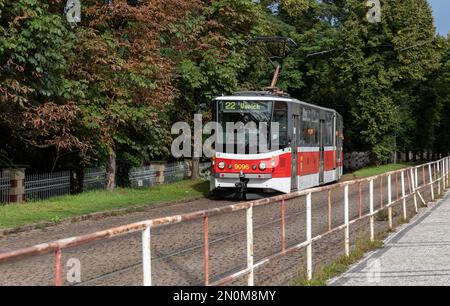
x: 294, y: 146
x: 322, y: 151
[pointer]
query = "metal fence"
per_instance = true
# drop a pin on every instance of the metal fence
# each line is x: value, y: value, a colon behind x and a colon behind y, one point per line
x: 4, y: 188
x: 143, y: 177
x: 47, y: 185
x: 205, y: 170
x: 94, y: 178
x: 343, y: 214
x: 356, y: 160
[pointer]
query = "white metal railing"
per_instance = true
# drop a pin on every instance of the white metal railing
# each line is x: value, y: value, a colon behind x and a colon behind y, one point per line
x: 46, y: 185
x: 438, y: 177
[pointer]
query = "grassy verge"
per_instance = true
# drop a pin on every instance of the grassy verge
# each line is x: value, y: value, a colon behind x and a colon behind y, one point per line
x: 375, y: 170
x: 56, y: 209
x: 340, y: 265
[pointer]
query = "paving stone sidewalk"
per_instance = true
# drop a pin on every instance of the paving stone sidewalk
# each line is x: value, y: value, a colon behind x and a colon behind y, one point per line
x: 417, y: 255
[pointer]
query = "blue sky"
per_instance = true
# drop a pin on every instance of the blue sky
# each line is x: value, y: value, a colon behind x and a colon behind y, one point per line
x: 441, y: 10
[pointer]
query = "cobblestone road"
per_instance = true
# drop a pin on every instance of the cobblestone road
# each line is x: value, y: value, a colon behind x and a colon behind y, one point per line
x: 177, y: 250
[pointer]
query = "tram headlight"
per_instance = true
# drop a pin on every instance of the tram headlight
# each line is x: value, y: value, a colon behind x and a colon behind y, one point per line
x: 221, y: 165
x: 262, y: 166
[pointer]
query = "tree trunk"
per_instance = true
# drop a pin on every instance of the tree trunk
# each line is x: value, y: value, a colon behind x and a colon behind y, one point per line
x: 195, y: 168
x: 111, y: 169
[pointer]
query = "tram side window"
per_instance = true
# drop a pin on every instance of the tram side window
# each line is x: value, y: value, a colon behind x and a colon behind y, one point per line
x: 329, y: 130
x: 315, y: 128
x: 280, y: 115
x: 305, y: 126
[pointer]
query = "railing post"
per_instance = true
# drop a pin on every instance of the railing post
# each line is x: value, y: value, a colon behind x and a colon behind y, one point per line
x: 405, y: 217
x: 347, y: 220
x: 424, y: 181
x: 390, y: 202
x: 309, y: 269
x: 381, y: 192
x: 283, y: 226
x: 360, y: 199
x: 431, y: 181
x: 58, y: 277
x: 147, y: 256
x: 206, y: 249
x: 448, y: 170
x: 372, y: 220
x: 413, y: 183
x: 444, y: 184
x: 416, y: 171
x: 438, y: 177
x: 396, y: 186
x: 329, y: 211
x: 250, y: 247
x: 445, y: 172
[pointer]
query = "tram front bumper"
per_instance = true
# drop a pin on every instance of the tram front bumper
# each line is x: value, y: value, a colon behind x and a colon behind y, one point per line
x: 238, y: 176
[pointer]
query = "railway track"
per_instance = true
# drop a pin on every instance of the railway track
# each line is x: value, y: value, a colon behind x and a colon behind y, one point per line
x: 178, y: 250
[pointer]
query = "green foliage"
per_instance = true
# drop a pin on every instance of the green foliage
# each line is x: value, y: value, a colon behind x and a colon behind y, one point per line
x: 367, y: 71
x: 114, y: 85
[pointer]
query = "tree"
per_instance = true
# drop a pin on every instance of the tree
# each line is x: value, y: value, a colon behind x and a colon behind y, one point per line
x: 127, y: 77
x: 37, y: 97
x: 363, y: 69
x: 218, y: 60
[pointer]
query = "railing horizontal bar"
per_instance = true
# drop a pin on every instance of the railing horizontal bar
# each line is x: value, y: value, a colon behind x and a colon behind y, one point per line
x: 76, y: 241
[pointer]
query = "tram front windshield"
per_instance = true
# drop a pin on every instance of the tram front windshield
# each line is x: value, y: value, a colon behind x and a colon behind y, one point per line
x: 250, y: 113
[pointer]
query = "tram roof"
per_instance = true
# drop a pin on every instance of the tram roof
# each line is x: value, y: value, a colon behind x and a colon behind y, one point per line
x: 268, y: 96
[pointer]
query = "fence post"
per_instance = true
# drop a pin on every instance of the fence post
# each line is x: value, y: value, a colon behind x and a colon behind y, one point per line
x: 381, y: 192
x: 147, y: 256
x: 360, y: 199
x: 413, y: 183
x: 443, y: 175
x: 431, y: 181
x: 58, y: 277
x: 405, y: 217
x: 390, y: 201
x: 283, y: 226
x: 347, y: 220
x: 448, y: 170
x: 329, y: 211
x: 206, y: 249
x: 438, y: 177
x: 309, y: 269
x: 372, y: 221
x: 424, y: 181
x: 446, y: 173
x: 416, y: 171
x: 250, y: 248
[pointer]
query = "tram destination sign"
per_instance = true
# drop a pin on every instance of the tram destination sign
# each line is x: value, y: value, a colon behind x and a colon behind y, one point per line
x: 246, y: 106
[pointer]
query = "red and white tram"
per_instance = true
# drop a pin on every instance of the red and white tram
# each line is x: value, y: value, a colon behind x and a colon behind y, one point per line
x: 309, y: 151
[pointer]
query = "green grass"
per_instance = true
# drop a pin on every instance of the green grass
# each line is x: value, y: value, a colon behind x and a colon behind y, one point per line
x: 373, y: 171
x: 339, y: 266
x: 56, y: 209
